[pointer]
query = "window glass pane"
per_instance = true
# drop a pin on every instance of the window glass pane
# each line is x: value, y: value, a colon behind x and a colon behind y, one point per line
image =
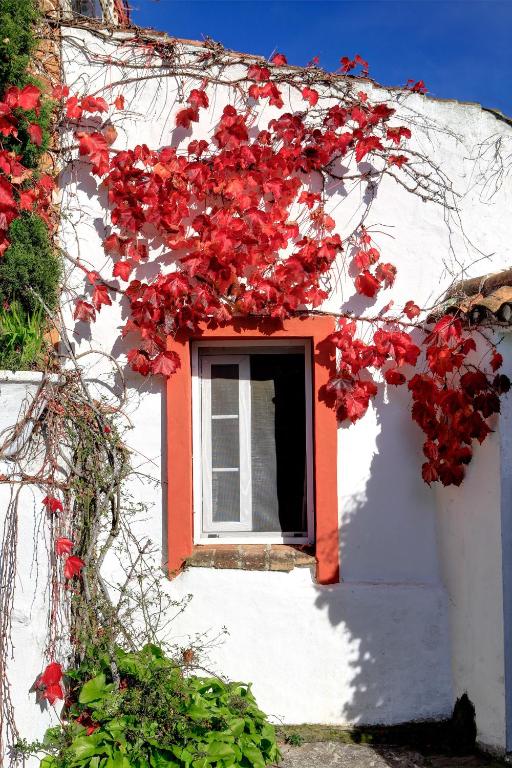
x: 225, y: 497
x: 278, y: 443
x: 225, y: 443
x: 90, y: 8
x: 224, y: 379
x: 263, y: 449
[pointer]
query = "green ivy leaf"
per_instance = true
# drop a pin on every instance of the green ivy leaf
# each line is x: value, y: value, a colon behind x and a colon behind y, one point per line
x: 220, y: 750
x: 94, y: 690
x: 48, y: 761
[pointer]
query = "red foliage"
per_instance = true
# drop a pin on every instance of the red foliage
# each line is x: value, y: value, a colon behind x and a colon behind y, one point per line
x: 50, y: 683
x: 63, y: 546
x: 73, y: 566
x: 53, y: 504
x: 225, y: 213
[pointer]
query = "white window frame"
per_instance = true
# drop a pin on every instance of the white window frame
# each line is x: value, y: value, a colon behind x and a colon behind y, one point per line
x: 244, y: 421
x: 242, y: 534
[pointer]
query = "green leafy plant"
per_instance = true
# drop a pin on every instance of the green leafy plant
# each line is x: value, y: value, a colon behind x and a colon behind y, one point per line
x: 294, y: 738
x: 17, y: 20
x: 157, y: 717
x: 21, y: 338
x: 30, y: 269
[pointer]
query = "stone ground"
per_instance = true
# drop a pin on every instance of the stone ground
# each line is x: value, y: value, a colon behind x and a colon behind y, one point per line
x: 333, y: 754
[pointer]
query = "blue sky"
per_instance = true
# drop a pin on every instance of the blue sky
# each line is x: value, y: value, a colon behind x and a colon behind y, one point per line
x: 461, y: 48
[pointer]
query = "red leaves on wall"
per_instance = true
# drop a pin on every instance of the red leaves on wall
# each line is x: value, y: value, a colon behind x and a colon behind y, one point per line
x: 310, y: 95
x: 279, y: 60
x: 63, y: 546
x: 50, y: 683
x: 347, y: 65
x: 73, y: 566
x: 417, y: 86
x: 226, y: 213
x: 52, y: 504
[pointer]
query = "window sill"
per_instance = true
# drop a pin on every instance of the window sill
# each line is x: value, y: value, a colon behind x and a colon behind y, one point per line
x: 251, y: 557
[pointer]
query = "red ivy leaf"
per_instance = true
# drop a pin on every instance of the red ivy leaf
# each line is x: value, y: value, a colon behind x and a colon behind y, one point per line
x: 73, y: 566
x: 6, y: 197
x: 366, y: 284
x: 365, y: 145
x: 123, y: 269
x: 258, y: 73
x: 386, y: 273
x: 397, y: 160
x: 411, y: 310
x: 29, y: 98
x: 166, y: 363
x: 52, y: 504
x: 496, y: 360
x: 35, y: 133
x: 394, y: 377
x: 73, y: 108
x: 416, y: 87
x: 60, y: 91
x: 186, y: 116
x: 309, y: 94
x: 198, y: 98
x: 63, y: 546
x: 279, y: 59
x: 51, y: 675
x: 84, y: 311
x: 100, y: 296
x: 396, y: 134
x: 119, y: 102
x: 94, y: 104
x: 94, y: 145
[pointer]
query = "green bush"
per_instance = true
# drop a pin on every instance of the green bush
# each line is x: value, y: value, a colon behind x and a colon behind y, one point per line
x: 21, y: 338
x: 158, y: 718
x: 17, y: 40
x: 30, y: 267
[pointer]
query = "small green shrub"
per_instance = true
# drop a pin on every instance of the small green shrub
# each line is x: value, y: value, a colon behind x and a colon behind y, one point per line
x: 294, y: 738
x: 17, y: 39
x: 158, y: 718
x: 30, y: 267
x: 21, y: 338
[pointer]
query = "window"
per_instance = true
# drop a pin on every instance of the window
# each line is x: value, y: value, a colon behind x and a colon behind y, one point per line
x: 252, y: 421
x: 184, y: 477
x: 91, y: 8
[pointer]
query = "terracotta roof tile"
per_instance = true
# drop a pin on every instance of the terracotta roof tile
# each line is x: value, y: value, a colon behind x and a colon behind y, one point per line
x: 487, y: 298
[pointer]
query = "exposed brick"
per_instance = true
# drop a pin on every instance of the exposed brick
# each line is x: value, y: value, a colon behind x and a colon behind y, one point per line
x: 281, y: 559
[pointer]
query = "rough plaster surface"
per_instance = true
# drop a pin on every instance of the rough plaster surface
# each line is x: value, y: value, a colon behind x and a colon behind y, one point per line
x: 330, y: 754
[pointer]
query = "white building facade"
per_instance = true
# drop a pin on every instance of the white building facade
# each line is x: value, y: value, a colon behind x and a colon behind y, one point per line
x: 420, y: 609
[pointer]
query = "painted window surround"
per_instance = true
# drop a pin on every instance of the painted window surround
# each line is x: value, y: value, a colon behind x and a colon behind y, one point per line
x: 180, y: 541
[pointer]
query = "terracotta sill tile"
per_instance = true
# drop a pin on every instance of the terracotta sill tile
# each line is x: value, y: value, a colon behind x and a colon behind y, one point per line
x: 251, y: 557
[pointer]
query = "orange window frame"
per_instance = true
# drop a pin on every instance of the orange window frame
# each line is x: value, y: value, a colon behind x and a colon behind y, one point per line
x: 180, y: 516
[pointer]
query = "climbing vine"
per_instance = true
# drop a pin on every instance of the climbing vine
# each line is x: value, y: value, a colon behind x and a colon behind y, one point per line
x: 240, y: 226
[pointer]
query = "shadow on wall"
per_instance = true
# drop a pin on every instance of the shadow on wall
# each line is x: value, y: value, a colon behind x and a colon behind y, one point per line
x: 391, y: 602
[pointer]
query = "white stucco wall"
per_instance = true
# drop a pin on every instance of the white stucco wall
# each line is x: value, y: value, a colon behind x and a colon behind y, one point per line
x: 377, y: 647
x: 30, y: 531
x: 469, y: 525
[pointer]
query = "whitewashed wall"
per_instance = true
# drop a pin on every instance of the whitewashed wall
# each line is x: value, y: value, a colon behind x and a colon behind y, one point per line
x: 474, y: 545
x: 30, y: 535
x: 384, y: 646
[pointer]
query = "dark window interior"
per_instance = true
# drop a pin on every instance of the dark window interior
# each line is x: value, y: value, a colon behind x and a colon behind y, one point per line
x: 278, y: 442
